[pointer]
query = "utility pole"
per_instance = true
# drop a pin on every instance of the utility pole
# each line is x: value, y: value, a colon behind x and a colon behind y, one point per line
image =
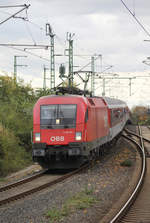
x: 17, y: 65
x: 44, y: 80
x: 70, y: 51
x: 50, y: 33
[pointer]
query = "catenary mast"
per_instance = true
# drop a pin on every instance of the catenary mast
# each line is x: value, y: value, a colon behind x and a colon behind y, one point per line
x: 50, y: 33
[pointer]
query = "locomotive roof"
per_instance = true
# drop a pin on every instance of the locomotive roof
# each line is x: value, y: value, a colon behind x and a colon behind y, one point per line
x: 112, y: 102
x: 62, y: 98
x: 66, y: 95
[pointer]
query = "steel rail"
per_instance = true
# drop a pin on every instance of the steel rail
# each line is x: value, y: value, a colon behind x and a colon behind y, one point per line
x: 46, y: 185
x: 132, y: 133
x: 128, y: 203
x: 22, y: 181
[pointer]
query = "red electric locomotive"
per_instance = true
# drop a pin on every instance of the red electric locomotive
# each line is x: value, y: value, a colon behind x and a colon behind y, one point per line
x: 68, y: 130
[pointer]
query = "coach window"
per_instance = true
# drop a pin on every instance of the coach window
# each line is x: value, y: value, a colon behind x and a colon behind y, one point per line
x: 86, y: 116
x: 118, y: 114
x: 112, y: 117
x: 121, y: 114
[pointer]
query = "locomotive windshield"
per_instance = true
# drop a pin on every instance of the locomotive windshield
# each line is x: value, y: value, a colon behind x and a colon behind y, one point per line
x: 58, y: 116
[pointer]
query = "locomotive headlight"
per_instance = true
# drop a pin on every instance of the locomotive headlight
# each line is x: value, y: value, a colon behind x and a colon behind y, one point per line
x: 78, y: 135
x: 37, y: 137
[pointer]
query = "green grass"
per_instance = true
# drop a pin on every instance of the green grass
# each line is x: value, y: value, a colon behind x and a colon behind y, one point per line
x: 126, y: 163
x: 2, y: 179
x: 79, y: 201
x: 88, y: 191
x: 54, y: 215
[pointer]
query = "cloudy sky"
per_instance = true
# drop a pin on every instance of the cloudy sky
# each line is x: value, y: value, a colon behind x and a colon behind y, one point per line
x: 102, y: 27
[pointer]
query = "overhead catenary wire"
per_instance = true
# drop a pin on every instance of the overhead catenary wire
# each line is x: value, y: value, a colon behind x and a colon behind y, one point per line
x: 133, y: 14
x: 134, y: 7
x: 26, y: 19
x: 6, y: 13
x: 13, y: 16
x: 12, y: 6
x: 30, y: 33
x: 87, y: 64
x: 61, y: 42
x: 25, y: 45
x: 28, y: 28
x: 36, y: 25
x: 25, y: 51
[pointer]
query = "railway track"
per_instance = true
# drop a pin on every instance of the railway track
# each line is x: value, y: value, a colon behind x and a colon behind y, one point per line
x: 23, y: 188
x: 22, y: 181
x: 136, y: 208
x: 146, y: 140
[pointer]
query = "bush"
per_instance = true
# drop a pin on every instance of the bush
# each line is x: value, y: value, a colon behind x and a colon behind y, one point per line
x: 12, y: 156
x: 16, y: 103
x: 126, y: 163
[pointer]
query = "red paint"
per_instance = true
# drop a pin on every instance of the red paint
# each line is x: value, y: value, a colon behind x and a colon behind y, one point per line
x: 98, y: 124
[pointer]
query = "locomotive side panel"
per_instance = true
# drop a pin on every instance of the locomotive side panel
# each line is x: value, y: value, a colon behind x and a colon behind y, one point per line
x: 97, y: 125
x: 91, y: 125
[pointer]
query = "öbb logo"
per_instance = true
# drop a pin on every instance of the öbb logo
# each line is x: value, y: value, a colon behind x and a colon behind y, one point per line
x: 57, y: 138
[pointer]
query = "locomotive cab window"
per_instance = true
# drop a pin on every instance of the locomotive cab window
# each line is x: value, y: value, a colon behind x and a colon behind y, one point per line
x: 58, y: 116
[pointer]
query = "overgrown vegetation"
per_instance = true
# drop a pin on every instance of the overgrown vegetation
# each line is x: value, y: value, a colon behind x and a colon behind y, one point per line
x: 16, y: 104
x: 80, y: 201
x: 141, y: 115
x: 127, y: 163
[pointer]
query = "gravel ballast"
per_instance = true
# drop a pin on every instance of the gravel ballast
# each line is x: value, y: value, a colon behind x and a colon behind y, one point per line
x: 107, y: 179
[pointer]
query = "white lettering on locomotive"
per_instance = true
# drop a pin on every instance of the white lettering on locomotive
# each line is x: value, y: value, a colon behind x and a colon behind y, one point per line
x: 57, y: 138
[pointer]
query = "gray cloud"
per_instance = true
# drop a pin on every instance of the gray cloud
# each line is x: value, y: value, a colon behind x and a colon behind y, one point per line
x: 101, y: 26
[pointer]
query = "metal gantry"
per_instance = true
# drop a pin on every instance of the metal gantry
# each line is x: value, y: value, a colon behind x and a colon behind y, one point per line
x: 44, y: 80
x: 93, y: 75
x: 70, y: 54
x: 17, y: 65
x: 35, y: 46
x: 111, y: 78
x: 24, y: 7
x: 127, y: 78
x: 50, y: 33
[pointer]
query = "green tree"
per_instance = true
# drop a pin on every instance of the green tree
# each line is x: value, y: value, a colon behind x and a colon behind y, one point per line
x: 16, y: 104
x: 140, y: 115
